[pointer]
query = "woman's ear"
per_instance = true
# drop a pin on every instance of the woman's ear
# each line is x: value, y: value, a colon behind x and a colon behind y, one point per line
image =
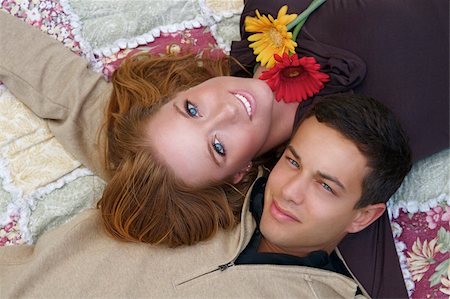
x: 366, y: 216
x: 237, y: 177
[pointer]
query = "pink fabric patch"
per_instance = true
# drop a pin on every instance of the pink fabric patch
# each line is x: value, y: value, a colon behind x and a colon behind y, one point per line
x: 186, y: 41
x: 10, y: 232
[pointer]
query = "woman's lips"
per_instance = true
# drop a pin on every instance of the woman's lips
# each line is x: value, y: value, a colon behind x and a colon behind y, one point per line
x: 280, y: 214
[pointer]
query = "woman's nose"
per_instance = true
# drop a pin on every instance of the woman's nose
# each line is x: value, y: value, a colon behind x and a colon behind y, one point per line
x: 227, y: 112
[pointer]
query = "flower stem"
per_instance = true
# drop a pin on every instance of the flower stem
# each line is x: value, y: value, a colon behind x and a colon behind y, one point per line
x: 297, y: 29
x: 301, y: 18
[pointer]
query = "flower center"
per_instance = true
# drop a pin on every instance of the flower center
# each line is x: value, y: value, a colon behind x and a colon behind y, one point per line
x: 276, y: 37
x: 292, y: 71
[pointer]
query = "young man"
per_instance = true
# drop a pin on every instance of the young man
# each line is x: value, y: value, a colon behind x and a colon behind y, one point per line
x: 346, y: 159
x: 367, y: 56
x: 343, y: 163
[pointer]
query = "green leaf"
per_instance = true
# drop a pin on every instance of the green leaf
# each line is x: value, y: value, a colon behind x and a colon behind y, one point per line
x: 441, y: 270
x: 444, y: 239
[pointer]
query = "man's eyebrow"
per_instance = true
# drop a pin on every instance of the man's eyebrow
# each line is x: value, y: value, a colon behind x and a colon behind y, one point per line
x: 331, y: 178
x: 321, y: 174
x: 294, y: 152
x: 208, y: 145
x: 183, y: 113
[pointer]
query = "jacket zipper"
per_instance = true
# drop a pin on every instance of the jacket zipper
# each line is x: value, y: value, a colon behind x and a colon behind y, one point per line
x: 226, y: 266
x: 219, y: 268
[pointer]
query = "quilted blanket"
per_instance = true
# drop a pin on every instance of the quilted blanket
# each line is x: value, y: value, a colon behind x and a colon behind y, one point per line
x: 42, y: 186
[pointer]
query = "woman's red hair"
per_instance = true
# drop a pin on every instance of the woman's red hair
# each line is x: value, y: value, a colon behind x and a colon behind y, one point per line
x: 144, y: 201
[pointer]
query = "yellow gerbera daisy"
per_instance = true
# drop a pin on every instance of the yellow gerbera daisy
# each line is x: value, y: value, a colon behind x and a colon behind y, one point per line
x: 272, y: 37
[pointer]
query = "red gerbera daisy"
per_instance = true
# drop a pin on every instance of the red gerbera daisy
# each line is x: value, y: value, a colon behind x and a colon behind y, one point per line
x: 293, y: 79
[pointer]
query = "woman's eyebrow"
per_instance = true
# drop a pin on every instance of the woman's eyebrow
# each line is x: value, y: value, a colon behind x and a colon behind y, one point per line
x: 177, y: 109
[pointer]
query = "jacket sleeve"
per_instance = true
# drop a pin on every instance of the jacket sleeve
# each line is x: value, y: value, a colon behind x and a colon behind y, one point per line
x: 57, y: 86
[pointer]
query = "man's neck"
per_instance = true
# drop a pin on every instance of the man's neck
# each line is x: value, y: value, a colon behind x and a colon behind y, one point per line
x: 266, y: 246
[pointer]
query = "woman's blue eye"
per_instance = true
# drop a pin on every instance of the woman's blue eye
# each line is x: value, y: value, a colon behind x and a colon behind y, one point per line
x: 218, y: 147
x: 191, y: 109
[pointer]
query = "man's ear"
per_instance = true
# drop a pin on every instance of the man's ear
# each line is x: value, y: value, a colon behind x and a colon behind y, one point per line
x: 366, y: 216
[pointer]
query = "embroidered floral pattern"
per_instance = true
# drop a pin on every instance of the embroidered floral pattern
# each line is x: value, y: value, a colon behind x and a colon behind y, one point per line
x: 421, y: 257
x: 10, y: 232
x: 446, y: 282
x: 426, y: 239
x: 47, y: 15
x: 438, y: 216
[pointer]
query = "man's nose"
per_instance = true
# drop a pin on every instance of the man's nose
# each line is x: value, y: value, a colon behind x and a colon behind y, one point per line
x: 295, y: 188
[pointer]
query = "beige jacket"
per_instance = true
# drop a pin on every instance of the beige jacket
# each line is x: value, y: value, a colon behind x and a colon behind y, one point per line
x: 78, y: 260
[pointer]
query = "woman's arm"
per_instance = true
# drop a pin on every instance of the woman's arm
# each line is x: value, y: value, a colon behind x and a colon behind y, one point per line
x: 56, y: 85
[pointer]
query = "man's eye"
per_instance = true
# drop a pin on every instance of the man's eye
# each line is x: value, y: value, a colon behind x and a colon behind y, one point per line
x: 293, y: 162
x: 191, y: 109
x: 218, y: 147
x: 327, y: 187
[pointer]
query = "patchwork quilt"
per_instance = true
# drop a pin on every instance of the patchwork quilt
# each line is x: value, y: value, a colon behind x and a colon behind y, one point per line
x: 42, y: 186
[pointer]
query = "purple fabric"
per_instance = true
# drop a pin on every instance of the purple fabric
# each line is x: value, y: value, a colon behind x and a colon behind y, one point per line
x: 397, y: 52
x: 401, y: 47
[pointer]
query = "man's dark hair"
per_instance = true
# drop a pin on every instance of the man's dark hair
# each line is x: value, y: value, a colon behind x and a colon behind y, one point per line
x: 376, y: 133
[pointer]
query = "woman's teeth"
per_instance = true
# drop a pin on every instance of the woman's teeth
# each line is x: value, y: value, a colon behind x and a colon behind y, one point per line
x: 246, y: 103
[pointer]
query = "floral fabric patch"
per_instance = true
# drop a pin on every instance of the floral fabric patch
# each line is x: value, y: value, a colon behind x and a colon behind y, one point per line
x: 424, y: 242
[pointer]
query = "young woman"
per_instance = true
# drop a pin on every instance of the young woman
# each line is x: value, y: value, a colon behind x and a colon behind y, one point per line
x: 180, y: 142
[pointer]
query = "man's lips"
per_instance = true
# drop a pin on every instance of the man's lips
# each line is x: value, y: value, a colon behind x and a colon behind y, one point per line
x: 282, y: 214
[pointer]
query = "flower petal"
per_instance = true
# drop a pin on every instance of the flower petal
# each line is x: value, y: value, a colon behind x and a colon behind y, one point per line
x: 271, y: 35
x: 293, y: 79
